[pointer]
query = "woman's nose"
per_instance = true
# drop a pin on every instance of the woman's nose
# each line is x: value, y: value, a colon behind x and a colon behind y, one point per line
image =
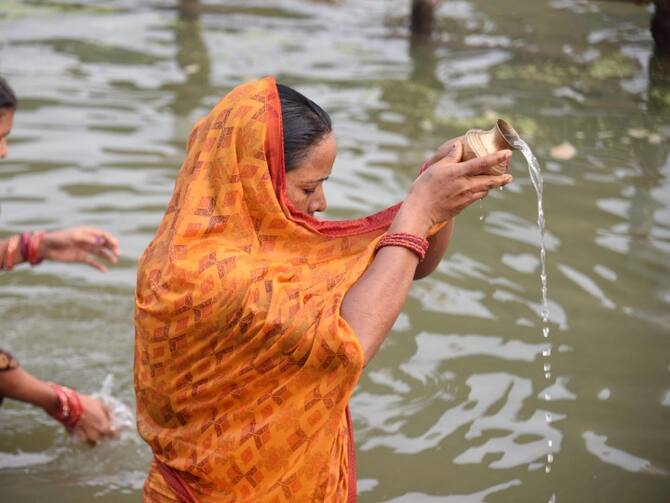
x: 319, y: 202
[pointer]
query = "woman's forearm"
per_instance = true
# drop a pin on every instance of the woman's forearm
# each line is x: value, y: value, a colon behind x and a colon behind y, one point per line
x: 18, y: 384
x: 372, y: 305
x: 437, y: 246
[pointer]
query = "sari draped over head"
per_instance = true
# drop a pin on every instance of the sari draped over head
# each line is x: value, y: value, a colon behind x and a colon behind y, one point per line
x: 243, y: 364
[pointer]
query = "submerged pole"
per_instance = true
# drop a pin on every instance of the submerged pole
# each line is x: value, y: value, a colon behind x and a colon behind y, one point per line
x: 422, y: 17
x: 660, y: 26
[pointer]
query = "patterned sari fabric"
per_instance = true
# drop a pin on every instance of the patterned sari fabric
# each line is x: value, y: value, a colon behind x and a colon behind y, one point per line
x: 243, y: 365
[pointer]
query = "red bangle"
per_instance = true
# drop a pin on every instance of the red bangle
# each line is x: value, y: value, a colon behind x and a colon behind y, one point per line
x: 9, y: 259
x: 25, y: 240
x: 69, y: 406
x: 416, y: 244
x: 34, y: 248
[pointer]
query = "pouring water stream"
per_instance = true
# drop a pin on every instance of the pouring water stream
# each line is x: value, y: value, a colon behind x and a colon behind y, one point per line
x: 536, y: 179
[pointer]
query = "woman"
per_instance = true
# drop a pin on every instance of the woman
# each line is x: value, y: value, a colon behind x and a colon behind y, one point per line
x: 82, y: 415
x: 254, y: 319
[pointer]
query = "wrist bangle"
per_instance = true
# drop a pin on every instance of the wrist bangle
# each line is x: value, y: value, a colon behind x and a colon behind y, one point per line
x: 25, y: 240
x: 9, y: 259
x: 34, y: 248
x: 69, y: 406
x: 416, y: 244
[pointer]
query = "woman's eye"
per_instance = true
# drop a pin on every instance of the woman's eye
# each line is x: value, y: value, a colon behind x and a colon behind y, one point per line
x: 309, y: 191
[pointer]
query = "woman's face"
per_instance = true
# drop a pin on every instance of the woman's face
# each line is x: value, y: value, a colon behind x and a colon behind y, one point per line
x: 6, y: 121
x: 304, y: 183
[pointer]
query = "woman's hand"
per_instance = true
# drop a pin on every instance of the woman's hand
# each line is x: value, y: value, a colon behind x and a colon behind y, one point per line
x: 80, y: 244
x: 95, y: 423
x: 448, y: 186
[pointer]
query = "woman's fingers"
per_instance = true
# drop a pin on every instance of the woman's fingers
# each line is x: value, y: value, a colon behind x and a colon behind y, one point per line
x: 482, y: 165
x: 450, y: 151
x: 87, y: 259
x: 105, y: 254
x: 100, y: 243
x: 109, y: 242
x: 93, y: 437
x: 443, y: 192
x: 484, y: 183
x: 478, y: 196
x: 97, y: 239
x: 108, y: 415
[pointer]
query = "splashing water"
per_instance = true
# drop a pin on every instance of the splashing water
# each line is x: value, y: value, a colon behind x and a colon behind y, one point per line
x: 120, y: 415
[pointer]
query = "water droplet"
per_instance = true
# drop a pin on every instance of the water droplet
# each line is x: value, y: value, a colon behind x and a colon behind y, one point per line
x: 547, y: 367
x: 552, y: 499
x: 545, y: 332
x: 547, y: 416
x: 547, y: 397
x: 547, y: 469
x: 481, y: 217
x: 551, y: 443
x: 546, y: 352
x: 547, y: 375
x: 550, y: 458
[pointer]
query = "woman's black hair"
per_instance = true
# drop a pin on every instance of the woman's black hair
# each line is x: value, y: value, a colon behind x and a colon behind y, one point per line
x: 7, y: 96
x: 305, y: 124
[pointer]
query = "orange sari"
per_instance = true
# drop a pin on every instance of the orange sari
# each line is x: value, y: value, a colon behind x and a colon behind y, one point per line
x: 243, y: 365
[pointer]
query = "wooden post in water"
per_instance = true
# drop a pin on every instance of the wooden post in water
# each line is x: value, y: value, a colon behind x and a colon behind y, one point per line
x: 423, y: 15
x: 660, y: 22
x: 660, y: 26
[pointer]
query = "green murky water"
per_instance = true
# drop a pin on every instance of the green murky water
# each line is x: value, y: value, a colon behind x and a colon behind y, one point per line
x: 453, y: 408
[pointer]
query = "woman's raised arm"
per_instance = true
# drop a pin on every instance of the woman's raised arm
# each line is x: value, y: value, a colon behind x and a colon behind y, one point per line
x: 373, y: 303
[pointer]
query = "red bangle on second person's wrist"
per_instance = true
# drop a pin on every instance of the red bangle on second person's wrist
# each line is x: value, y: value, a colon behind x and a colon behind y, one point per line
x: 34, y: 256
x: 69, y: 409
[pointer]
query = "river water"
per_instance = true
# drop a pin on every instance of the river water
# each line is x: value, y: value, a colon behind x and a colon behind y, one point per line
x: 456, y: 406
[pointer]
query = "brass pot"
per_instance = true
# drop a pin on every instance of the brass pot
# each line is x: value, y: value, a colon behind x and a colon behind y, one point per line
x: 478, y: 142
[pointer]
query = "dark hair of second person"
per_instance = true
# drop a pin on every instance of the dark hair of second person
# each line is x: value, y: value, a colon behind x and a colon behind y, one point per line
x: 8, y: 104
x: 7, y: 96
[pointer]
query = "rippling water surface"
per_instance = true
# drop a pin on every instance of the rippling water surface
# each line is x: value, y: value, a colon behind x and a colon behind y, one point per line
x: 457, y: 407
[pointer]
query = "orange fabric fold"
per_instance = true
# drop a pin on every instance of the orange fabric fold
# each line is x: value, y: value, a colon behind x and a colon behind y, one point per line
x: 243, y: 364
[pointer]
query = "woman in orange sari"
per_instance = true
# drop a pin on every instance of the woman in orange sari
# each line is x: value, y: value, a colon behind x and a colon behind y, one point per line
x: 254, y: 319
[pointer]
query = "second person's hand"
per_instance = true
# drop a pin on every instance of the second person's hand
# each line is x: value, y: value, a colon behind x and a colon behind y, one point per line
x: 81, y: 244
x: 95, y: 423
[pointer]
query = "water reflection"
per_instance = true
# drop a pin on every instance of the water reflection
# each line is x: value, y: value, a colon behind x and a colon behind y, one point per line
x: 193, y: 59
x: 596, y: 445
x: 494, y: 404
x: 464, y: 498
